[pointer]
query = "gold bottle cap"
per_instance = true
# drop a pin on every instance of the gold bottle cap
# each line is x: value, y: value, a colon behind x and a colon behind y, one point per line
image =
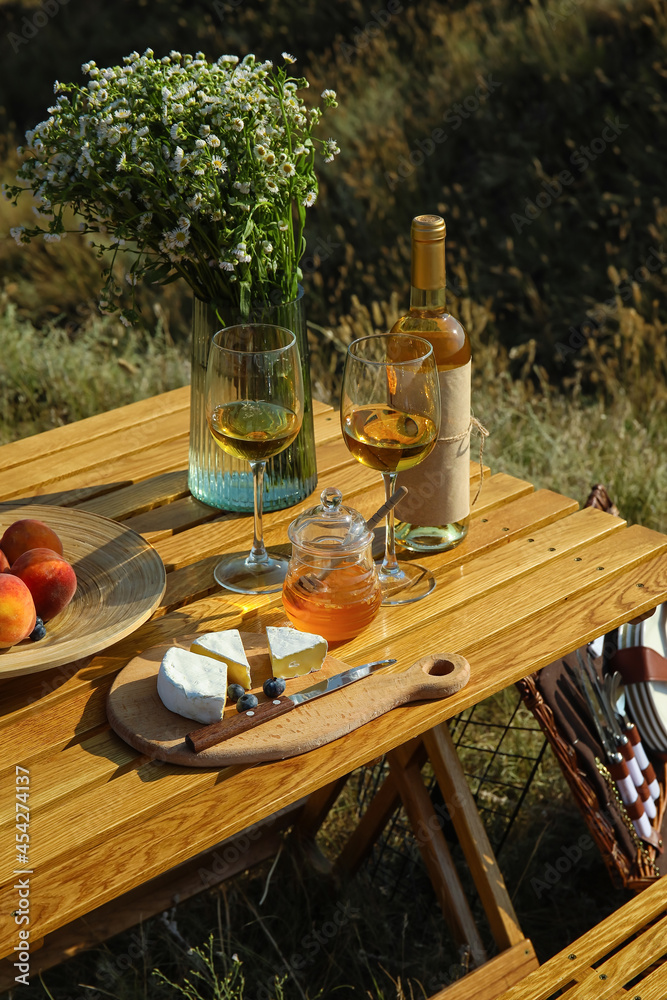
x: 428, y: 228
x: 428, y: 252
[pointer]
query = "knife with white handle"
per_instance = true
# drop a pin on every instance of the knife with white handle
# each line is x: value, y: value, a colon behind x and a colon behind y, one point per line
x: 617, y: 699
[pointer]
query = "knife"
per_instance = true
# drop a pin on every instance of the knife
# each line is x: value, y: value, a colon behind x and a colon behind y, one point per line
x: 218, y: 732
x: 617, y: 766
x: 617, y: 699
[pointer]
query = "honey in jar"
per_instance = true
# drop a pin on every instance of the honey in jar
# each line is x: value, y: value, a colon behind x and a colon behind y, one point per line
x: 332, y: 587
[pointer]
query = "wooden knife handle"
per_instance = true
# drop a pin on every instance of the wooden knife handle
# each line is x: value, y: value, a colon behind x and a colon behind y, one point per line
x: 218, y: 732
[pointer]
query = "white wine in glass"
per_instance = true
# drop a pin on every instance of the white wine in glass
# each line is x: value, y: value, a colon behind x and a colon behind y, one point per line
x: 390, y: 417
x: 254, y: 409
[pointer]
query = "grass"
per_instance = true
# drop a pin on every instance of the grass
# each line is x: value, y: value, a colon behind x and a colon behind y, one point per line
x: 567, y: 313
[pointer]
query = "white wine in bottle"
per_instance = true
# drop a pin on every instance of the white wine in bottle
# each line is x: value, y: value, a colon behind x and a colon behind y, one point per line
x: 434, y: 515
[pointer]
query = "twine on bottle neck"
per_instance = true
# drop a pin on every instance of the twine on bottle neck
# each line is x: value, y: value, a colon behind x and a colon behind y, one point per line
x: 483, y: 433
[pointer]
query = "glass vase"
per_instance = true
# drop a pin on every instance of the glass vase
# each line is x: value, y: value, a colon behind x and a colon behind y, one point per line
x: 217, y: 478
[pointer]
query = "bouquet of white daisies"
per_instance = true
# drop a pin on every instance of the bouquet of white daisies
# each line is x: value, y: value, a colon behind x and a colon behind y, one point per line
x: 203, y: 170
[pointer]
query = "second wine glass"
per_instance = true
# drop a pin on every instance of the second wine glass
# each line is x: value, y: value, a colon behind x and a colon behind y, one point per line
x: 390, y: 417
x: 254, y: 409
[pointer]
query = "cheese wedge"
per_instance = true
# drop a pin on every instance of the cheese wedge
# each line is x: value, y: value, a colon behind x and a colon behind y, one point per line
x: 294, y: 653
x: 191, y: 685
x: 228, y: 648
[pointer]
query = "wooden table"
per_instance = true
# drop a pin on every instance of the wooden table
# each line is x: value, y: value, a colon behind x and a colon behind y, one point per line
x: 535, y: 578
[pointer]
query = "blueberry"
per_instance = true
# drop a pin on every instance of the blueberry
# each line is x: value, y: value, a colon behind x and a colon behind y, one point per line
x: 235, y: 691
x: 245, y: 702
x: 39, y: 630
x: 274, y: 687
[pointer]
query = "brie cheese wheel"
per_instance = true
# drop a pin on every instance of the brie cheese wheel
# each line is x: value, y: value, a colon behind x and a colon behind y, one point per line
x: 192, y: 685
x: 294, y: 653
x: 228, y: 648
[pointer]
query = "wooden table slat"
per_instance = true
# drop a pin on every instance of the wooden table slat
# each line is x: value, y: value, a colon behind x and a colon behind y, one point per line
x: 71, y: 436
x: 518, y: 517
x: 533, y: 584
x: 92, y: 458
x: 611, y: 932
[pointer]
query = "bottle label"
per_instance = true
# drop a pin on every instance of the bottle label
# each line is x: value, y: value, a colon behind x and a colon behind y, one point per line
x: 439, y: 487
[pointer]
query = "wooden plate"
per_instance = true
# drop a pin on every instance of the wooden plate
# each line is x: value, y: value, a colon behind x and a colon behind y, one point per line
x: 120, y: 582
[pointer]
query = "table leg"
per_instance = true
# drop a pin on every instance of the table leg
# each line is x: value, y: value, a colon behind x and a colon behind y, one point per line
x: 473, y: 837
x: 436, y: 854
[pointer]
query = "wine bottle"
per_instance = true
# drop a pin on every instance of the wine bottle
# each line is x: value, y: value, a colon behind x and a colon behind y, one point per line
x: 434, y: 515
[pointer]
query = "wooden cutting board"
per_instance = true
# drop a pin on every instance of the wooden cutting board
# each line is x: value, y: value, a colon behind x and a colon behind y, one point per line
x: 138, y: 716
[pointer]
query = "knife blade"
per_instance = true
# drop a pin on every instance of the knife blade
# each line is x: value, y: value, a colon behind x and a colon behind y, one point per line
x: 218, y: 732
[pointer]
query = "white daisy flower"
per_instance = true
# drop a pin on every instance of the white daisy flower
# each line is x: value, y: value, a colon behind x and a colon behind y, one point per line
x: 218, y: 164
x: 213, y: 140
x: 242, y: 186
x: 329, y: 95
x: 282, y: 226
x: 179, y: 237
x: 52, y: 237
x: 122, y: 112
x: 272, y: 186
x: 267, y: 247
x: 310, y: 199
x: 270, y: 159
x: 195, y: 201
x: 238, y: 124
x: 288, y: 169
x: 289, y: 58
x: 17, y: 233
x: 226, y: 265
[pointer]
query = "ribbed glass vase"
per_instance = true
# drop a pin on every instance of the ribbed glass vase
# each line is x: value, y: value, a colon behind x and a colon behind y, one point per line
x: 219, y: 479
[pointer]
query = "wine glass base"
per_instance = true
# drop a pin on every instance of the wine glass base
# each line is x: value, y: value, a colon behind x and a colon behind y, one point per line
x: 411, y: 582
x: 237, y: 573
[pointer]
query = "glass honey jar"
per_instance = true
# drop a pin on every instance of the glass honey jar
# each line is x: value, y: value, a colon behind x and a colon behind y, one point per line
x: 332, y: 586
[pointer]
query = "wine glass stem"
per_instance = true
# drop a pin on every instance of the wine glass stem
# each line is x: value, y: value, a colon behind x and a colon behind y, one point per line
x: 389, y: 563
x: 258, y: 553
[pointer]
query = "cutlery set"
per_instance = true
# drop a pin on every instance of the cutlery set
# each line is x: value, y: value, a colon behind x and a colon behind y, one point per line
x: 627, y: 761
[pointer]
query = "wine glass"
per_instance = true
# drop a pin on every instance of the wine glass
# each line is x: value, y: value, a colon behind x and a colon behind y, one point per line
x: 390, y: 417
x: 254, y: 409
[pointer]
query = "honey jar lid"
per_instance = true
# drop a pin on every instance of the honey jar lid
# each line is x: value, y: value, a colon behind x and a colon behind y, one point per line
x: 330, y: 525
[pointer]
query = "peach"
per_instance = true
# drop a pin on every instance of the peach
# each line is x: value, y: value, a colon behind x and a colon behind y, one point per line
x: 17, y: 611
x: 49, y: 578
x: 4, y: 562
x: 28, y: 534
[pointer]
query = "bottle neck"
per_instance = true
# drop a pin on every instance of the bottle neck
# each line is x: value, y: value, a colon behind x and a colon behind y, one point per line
x: 428, y: 280
x: 432, y: 299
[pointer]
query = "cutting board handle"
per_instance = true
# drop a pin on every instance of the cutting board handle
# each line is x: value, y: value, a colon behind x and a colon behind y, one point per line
x: 436, y: 676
